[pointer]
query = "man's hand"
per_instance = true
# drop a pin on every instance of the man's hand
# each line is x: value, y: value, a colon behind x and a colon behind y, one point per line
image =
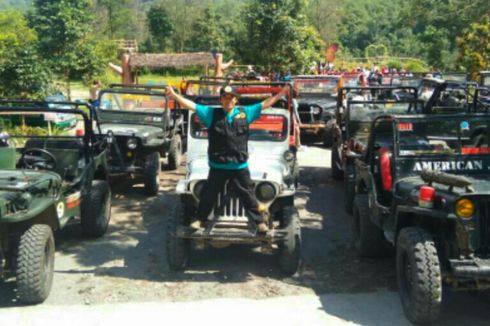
x: 186, y: 103
x: 267, y: 103
x: 169, y: 91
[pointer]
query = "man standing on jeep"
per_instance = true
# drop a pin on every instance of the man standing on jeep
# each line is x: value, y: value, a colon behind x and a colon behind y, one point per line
x: 228, y: 150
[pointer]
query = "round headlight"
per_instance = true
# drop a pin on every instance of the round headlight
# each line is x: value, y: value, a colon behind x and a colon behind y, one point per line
x: 464, y: 208
x: 198, y: 189
x: 132, y: 143
x: 315, y: 110
x: 265, y: 191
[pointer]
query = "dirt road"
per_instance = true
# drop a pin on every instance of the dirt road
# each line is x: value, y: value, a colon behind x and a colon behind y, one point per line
x: 128, y: 265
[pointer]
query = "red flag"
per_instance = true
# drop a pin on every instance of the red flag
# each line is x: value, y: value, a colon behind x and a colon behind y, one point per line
x: 330, y: 53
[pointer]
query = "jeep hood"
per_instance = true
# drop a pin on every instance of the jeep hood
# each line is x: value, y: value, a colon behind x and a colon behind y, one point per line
x: 142, y: 131
x: 13, y: 184
x: 265, y: 162
x: 480, y: 185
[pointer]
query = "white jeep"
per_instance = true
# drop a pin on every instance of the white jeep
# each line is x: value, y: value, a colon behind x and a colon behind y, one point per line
x: 273, y: 170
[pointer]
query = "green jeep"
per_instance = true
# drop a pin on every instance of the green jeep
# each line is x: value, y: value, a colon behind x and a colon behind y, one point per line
x: 48, y: 177
x: 422, y: 185
x: 142, y: 126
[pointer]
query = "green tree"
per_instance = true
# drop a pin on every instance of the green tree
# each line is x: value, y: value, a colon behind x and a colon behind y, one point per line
x: 23, y: 74
x: 324, y: 15
x: 160, y: 26
x: 277, y: 35
x: 119, y: 18
x: 474, y: 46
x: 64, y: 29
x: 208, y: 32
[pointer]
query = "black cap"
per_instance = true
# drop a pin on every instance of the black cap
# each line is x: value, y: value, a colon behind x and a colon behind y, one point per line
x: 228, y: 90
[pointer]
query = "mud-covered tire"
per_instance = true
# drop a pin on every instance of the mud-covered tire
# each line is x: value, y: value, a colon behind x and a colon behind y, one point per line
x: 35, y: 264
x: 151, y: 173
x: 350, y: 190
x: 178, y: 249
x: 337, y: 173
x: 290, y: 249
x: 96, y: 211
x: 368, y: 238
x: 419, y: 275
x: 175, y: 153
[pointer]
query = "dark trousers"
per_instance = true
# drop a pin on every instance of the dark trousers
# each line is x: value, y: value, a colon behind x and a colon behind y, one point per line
x: 240, y: 180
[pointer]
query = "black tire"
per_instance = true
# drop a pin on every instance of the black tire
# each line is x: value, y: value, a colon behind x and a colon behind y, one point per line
x: 178, y: 249
x: 175, y: 153
x: 368, y: 238
x: 290, y: 249
x: 328, y: 136
x: 151, y: 174
x: 337, y: 173
x: 419, y: 275
x: 35, y: 264
x: 349, y: 188
x: 96, y: 211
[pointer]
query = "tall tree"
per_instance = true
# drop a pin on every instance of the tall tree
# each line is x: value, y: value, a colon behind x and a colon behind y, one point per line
x: 277, y: 35
x: 475, y: 46
x: 22, y: 73
x: 64, y: 29
x: 160, y: 26
x: 325, y: 17
x: 119, y: 17
x: 208, y: 32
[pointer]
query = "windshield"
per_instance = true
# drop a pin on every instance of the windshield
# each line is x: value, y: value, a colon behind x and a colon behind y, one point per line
x: 362, y: 112
x: 457, y: 135
x: 16, y: 128
x: 269, y: 127
x: 486, y: 81
x: 133, y: 102
x: 327, y: 86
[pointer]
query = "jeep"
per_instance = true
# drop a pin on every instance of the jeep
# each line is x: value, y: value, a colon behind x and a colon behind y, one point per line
x: 316, y: 97
x: 141, y: 128
x: 48, y: 177
x: 353, y: 121
x: 273, y: 170
x: 422, y: 186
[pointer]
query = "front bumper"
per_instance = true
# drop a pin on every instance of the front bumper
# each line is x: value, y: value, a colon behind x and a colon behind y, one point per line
x: 315, y: 129
x: 232, y: 233
x: 470, y: 268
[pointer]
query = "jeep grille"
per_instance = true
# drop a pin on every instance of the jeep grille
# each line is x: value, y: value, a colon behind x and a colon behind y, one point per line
x: 233, y: 208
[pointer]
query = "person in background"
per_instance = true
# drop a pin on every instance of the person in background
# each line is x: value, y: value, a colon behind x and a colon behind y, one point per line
x: 94, y: 90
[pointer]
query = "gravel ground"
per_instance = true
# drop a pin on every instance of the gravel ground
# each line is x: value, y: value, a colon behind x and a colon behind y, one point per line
x: 128, y: 264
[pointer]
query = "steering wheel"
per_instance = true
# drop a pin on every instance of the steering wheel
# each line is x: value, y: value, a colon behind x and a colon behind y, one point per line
x: 38, y: 158
x: 314, y: 105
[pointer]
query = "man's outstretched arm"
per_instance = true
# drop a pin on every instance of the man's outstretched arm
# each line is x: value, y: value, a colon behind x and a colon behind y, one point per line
x: 267, y: 103
x: 186, y: 103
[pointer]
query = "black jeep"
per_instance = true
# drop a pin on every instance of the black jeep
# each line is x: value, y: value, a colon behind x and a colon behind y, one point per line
x: 422, y: 186
x: 317, y: 99
x: 142, y: 126
x: 356, y: 109
x: 48, y: 177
